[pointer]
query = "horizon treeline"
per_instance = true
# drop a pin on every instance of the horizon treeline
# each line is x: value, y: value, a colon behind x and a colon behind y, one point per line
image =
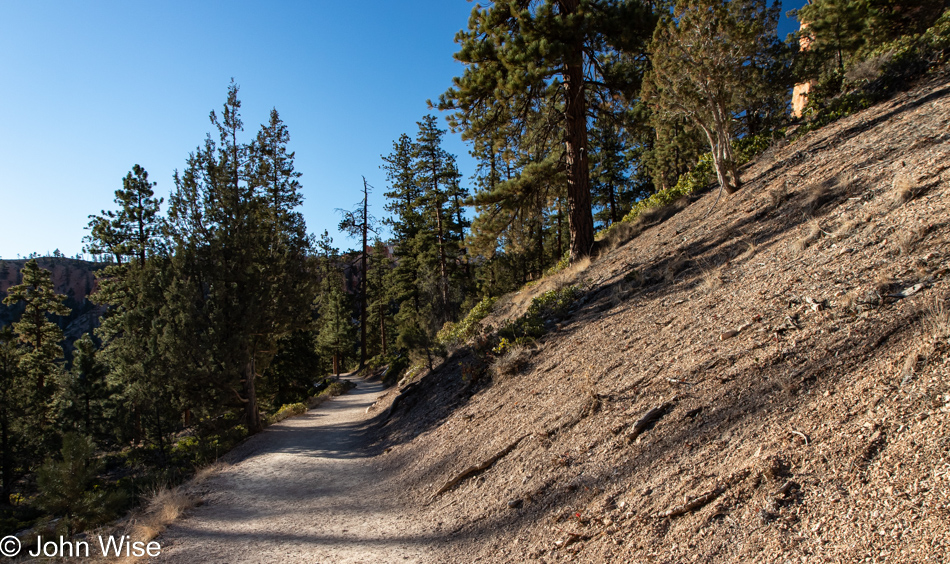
x: 221, y: 307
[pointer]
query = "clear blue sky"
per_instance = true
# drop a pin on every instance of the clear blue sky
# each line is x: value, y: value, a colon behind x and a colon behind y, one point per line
x: 91, y: 88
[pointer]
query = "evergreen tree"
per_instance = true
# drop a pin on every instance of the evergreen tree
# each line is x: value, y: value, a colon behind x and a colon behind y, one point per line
x: 408, y: 225
x: 131, y: 231
x: 85, y: 391
x: 12, y: 429
x: 337, y: 333
x: 240, y: 252
x: 379, y: 288
x: 518, y: 52
x: 359, y: 223
x: 700, y: 54
x: 40, y: 354
x: 132, y: 288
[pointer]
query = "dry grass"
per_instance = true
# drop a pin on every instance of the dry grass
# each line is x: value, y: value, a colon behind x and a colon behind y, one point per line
x: 884, y: 284
x: 778, y: 196
x: 621, y: 233
x: 906, y: 240
x: 812, y: 233
x: 712, y: 279
x: 676, y: 265
x: 937, y: 320
x: 207, y: 472
x: 905, y: 189
x: 816, y: 196
x: 163, y: 508
x: 618, y: 294
x: 846, y: 228
x: 749, y: 251
x: 513, y: 361
x: 520, y: 301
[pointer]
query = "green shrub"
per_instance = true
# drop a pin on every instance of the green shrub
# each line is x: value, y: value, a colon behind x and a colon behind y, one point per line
x: 212, y: 438
x: 288, y: 410
x: 397, y: 366
x: 337, y: 388
x: 454, y: 334
x: 544, y: 309
x: 563, y: 263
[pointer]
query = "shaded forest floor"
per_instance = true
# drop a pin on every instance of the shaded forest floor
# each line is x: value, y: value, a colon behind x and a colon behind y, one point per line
x: 795, y: 343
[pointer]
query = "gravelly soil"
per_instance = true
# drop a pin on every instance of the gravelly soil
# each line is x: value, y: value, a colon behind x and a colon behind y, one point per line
x: 795, y: 339
x: 304, y: 490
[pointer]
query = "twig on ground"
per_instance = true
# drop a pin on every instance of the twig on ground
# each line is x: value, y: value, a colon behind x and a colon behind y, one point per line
x: 693, y: 504
x: 477, y: 468
x: 649, y: 417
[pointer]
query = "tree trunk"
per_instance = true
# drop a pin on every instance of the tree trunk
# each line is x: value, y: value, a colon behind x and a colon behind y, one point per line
x: 443, y: 270
x: 723, y: 161
x: 580, y: 217
x: 250, y: 394
x: 364, y: 279
x: 382, y: 328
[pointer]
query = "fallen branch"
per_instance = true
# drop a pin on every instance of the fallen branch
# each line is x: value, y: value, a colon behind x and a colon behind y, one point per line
x: 477, y: 468
x: 693, y: 504
x: 571, y: 539
x: 649, y: 417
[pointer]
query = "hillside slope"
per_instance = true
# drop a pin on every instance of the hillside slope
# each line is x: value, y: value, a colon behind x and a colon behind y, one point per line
x: 795, y: 342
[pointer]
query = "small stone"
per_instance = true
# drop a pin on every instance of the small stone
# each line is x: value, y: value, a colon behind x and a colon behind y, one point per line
x: 725, y: 335
x: 515, y: 503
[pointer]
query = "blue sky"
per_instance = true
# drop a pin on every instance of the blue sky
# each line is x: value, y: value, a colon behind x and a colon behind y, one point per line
x: 91, y: 88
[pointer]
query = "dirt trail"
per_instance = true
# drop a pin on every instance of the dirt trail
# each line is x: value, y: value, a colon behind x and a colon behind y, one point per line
x: 304, y: 490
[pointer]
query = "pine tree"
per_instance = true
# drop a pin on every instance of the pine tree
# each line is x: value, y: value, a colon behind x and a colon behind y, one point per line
x: 39, y: 337
x: 359, y: 223
x: 408, y: 225
x: 700, y: 54
x: 131, y: 231
x: 40, y: 353
x: 240, y: 252
x: 379, y: 289
x: 12, y: 403
x: 437, y: 176
x: 521, y: 52
x: 84, y: 391
x: 138, y: 372
x: 337, y: 333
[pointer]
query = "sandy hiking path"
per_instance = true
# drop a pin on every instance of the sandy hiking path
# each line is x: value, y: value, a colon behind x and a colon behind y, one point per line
x: 304, y: 490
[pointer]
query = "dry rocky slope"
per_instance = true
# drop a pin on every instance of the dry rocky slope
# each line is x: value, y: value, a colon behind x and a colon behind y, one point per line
x: 795, y: 342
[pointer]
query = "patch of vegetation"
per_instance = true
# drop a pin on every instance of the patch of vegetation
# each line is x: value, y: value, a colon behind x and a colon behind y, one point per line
x: 337, y: 388
x: 454, y: 334
x: 69, y: 487
x: 287, y: 410
x: 544, y: 309
x: 700, y: 177
x: 877, y: 75
x: 396, y: 366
